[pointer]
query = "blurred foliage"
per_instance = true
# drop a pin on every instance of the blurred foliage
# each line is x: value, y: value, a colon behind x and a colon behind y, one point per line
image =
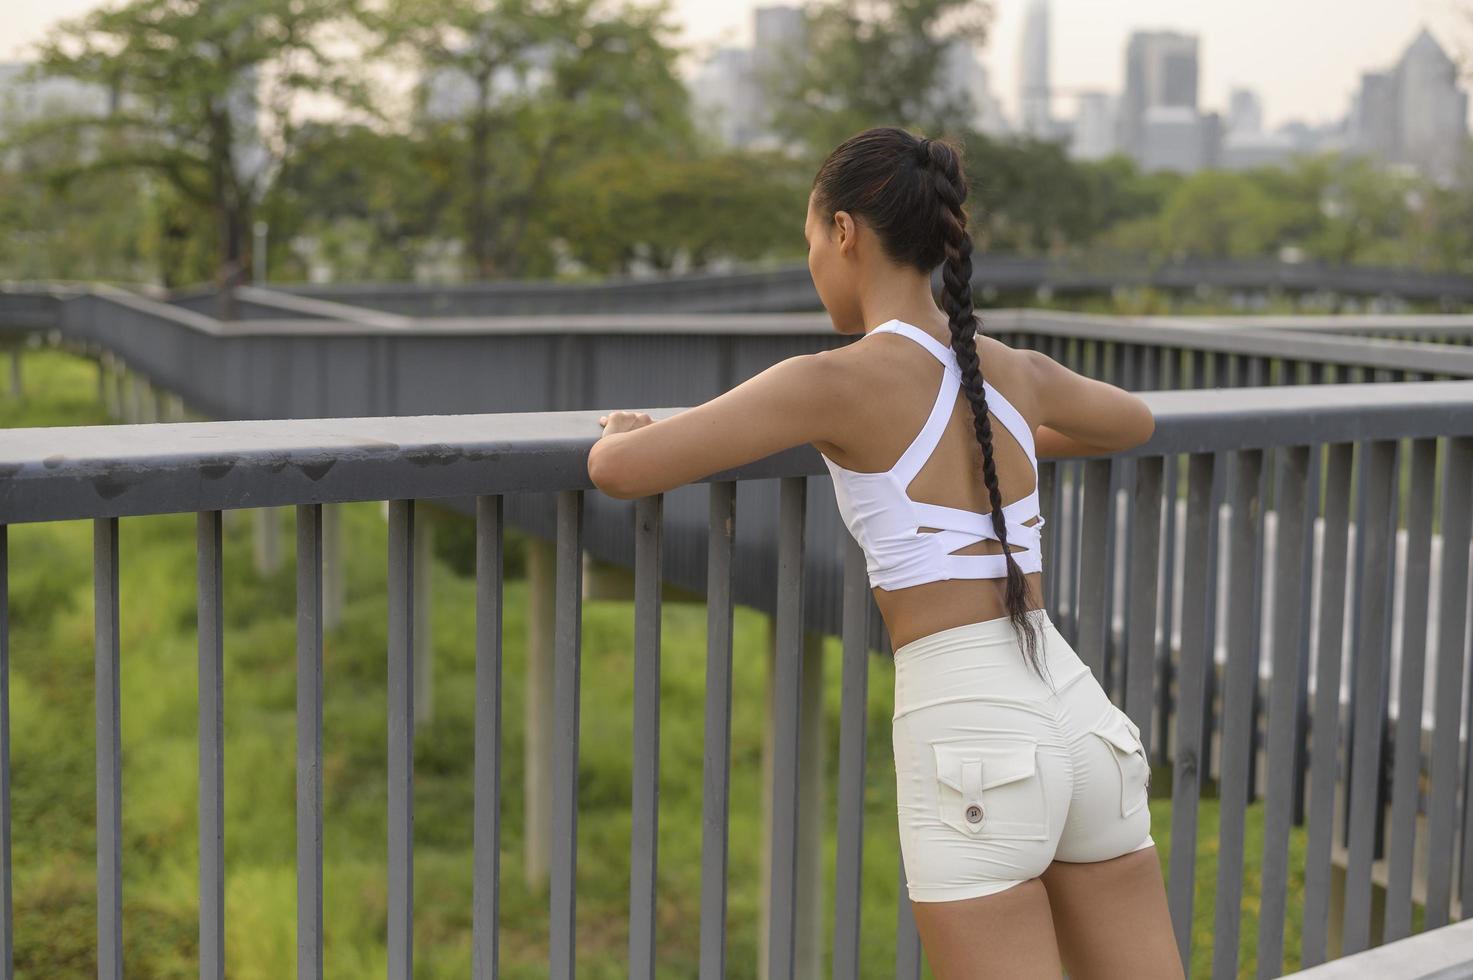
x: 555, y: 139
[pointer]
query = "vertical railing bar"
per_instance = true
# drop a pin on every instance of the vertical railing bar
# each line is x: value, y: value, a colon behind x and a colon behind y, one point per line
x: 1256, y: 723
x: 401, y: 740
x: 1324, y: 747
x: 1306, y: 600
x: 1240, y: 675
x: 1112, y: 668
x: 1076, y: 544
x: 309, y: 741
x: 645, y: 793
x: 716, y: 766
x: 1203, y: 503
x: 1211, y: 722
x: 1457, y: 516
x: 1093, y: 602
x: 787, y: 686
x: 486, y: 809
x: 854, y: 697
x: 1291, y: 501
x: 109, y: 749
x: 1166, y: 667
x: 1048, y: 490
x: 1406, y: 771
x: 208, y: 533
x: 7, y: 908
x: 1378, y: 483
x: 567, y: 661
x: 907, y: 936
x: 1140, y: 674
x: 1125, y: 542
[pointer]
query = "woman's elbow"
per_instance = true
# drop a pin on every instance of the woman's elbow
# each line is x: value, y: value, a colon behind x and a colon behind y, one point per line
x: 1146, y: 427
x: 603, y: 471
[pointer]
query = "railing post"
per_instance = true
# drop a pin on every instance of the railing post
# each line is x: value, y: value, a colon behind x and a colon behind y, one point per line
x: 211, y: 747
x: 716, y: 764
x: 1240, y: 677
x: 109, y: 750
x: 401, y: 671
x: 538, y: 711
x: 787, y: 701
x: 486, y: 810
x: 309, y: 741
x: 567, y: 659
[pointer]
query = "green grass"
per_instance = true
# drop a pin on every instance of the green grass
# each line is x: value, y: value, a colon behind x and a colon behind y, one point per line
x: 53, y: 776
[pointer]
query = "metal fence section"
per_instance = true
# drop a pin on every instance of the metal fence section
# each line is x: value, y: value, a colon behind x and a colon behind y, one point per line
x: 1203, y: 575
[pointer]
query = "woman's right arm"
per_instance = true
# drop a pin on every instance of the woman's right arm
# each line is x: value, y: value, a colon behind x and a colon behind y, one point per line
x: 1079, y: 416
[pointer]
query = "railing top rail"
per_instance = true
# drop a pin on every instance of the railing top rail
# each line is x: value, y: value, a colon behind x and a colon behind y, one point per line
x: 64, y: 473
x: 1189, y: 333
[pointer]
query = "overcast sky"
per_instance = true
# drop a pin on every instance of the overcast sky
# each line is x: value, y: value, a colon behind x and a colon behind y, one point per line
x: 1304, y: 56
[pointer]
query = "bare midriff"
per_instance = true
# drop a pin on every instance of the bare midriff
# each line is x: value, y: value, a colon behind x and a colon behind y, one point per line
x: 921, y: 610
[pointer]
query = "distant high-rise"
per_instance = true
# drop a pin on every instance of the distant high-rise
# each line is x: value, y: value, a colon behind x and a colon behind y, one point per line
x: 1034, y: 87
x: 1415, y: 113
x: 732, y: 90
x: 1161, y: 73
x: 963, y: 74
x: 779, y: 38
x: 1094, y: 127
x: 725, y: 98
x: 1245, y: 112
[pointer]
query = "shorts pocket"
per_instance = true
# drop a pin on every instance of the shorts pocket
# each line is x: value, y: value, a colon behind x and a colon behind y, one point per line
x: 990, y: 787
x: 1124, y: 738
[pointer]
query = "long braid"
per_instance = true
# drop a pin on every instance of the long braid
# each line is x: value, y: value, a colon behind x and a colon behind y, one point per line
x: 912, y: 192
x: 942, y: 163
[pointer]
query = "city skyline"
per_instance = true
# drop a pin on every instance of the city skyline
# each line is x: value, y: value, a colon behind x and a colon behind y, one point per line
x: 1088, y: 41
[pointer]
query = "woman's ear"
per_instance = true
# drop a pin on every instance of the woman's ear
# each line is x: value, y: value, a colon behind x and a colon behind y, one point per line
x: 846, y: 229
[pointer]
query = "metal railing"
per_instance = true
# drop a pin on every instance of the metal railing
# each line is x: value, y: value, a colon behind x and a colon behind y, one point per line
x: 1262, y: 721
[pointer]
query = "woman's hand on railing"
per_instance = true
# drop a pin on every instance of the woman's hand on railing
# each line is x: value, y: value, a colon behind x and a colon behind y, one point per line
x: 616, y: 422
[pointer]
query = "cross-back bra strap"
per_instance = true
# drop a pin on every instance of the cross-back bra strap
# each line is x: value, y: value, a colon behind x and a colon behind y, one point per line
x: 910, y: 462
x: 998, y: 405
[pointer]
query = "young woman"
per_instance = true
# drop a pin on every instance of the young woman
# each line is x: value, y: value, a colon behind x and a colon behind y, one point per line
x: 1021, y: 788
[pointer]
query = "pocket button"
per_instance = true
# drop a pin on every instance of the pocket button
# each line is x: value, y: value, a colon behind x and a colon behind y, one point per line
x: 974, y: 814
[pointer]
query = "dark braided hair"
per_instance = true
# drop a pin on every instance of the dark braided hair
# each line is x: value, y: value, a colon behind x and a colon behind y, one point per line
x: 913, y: 193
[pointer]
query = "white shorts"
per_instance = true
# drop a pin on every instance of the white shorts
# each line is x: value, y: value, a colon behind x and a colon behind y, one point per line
x: 998, y: 773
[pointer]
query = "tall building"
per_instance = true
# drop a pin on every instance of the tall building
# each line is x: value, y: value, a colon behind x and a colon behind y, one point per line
x: 731, y: 90
x: 1034, y: 89
x: 1414, y: 113
x: 1245, y: 112
x: 725, y: 97
x: 963, y: 74
x: 1161, y: 72
x: 1432, y: 109
x: 1094, y: 127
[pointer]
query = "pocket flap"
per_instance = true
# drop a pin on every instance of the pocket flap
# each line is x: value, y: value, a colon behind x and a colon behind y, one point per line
x: 1120, y: 731
x: 971, y: 765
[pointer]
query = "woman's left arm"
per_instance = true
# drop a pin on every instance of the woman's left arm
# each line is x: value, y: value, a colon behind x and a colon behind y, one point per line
x: 794, y: 401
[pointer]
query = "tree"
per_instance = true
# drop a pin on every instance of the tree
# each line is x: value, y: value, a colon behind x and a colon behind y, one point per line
x: 205, y: 92
x: 875, y: 63
x: 552, y: 83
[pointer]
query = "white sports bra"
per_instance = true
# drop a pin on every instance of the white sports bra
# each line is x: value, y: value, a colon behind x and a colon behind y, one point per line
x: 886, y: 522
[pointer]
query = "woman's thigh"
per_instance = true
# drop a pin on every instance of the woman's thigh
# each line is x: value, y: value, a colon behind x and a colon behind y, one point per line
x: 1009, y: 934
x: 1111, y: 918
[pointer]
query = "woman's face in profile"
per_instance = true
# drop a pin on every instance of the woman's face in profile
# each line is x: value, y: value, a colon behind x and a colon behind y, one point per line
x: 829, y: 254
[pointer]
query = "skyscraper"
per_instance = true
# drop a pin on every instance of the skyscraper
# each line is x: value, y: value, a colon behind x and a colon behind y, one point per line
x: 1034, y: 89
x: 1413, y: 113
x: 1094, y: 127
x: 1161, y: 73
x: 1245, y: 112
x: 962, y: 73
